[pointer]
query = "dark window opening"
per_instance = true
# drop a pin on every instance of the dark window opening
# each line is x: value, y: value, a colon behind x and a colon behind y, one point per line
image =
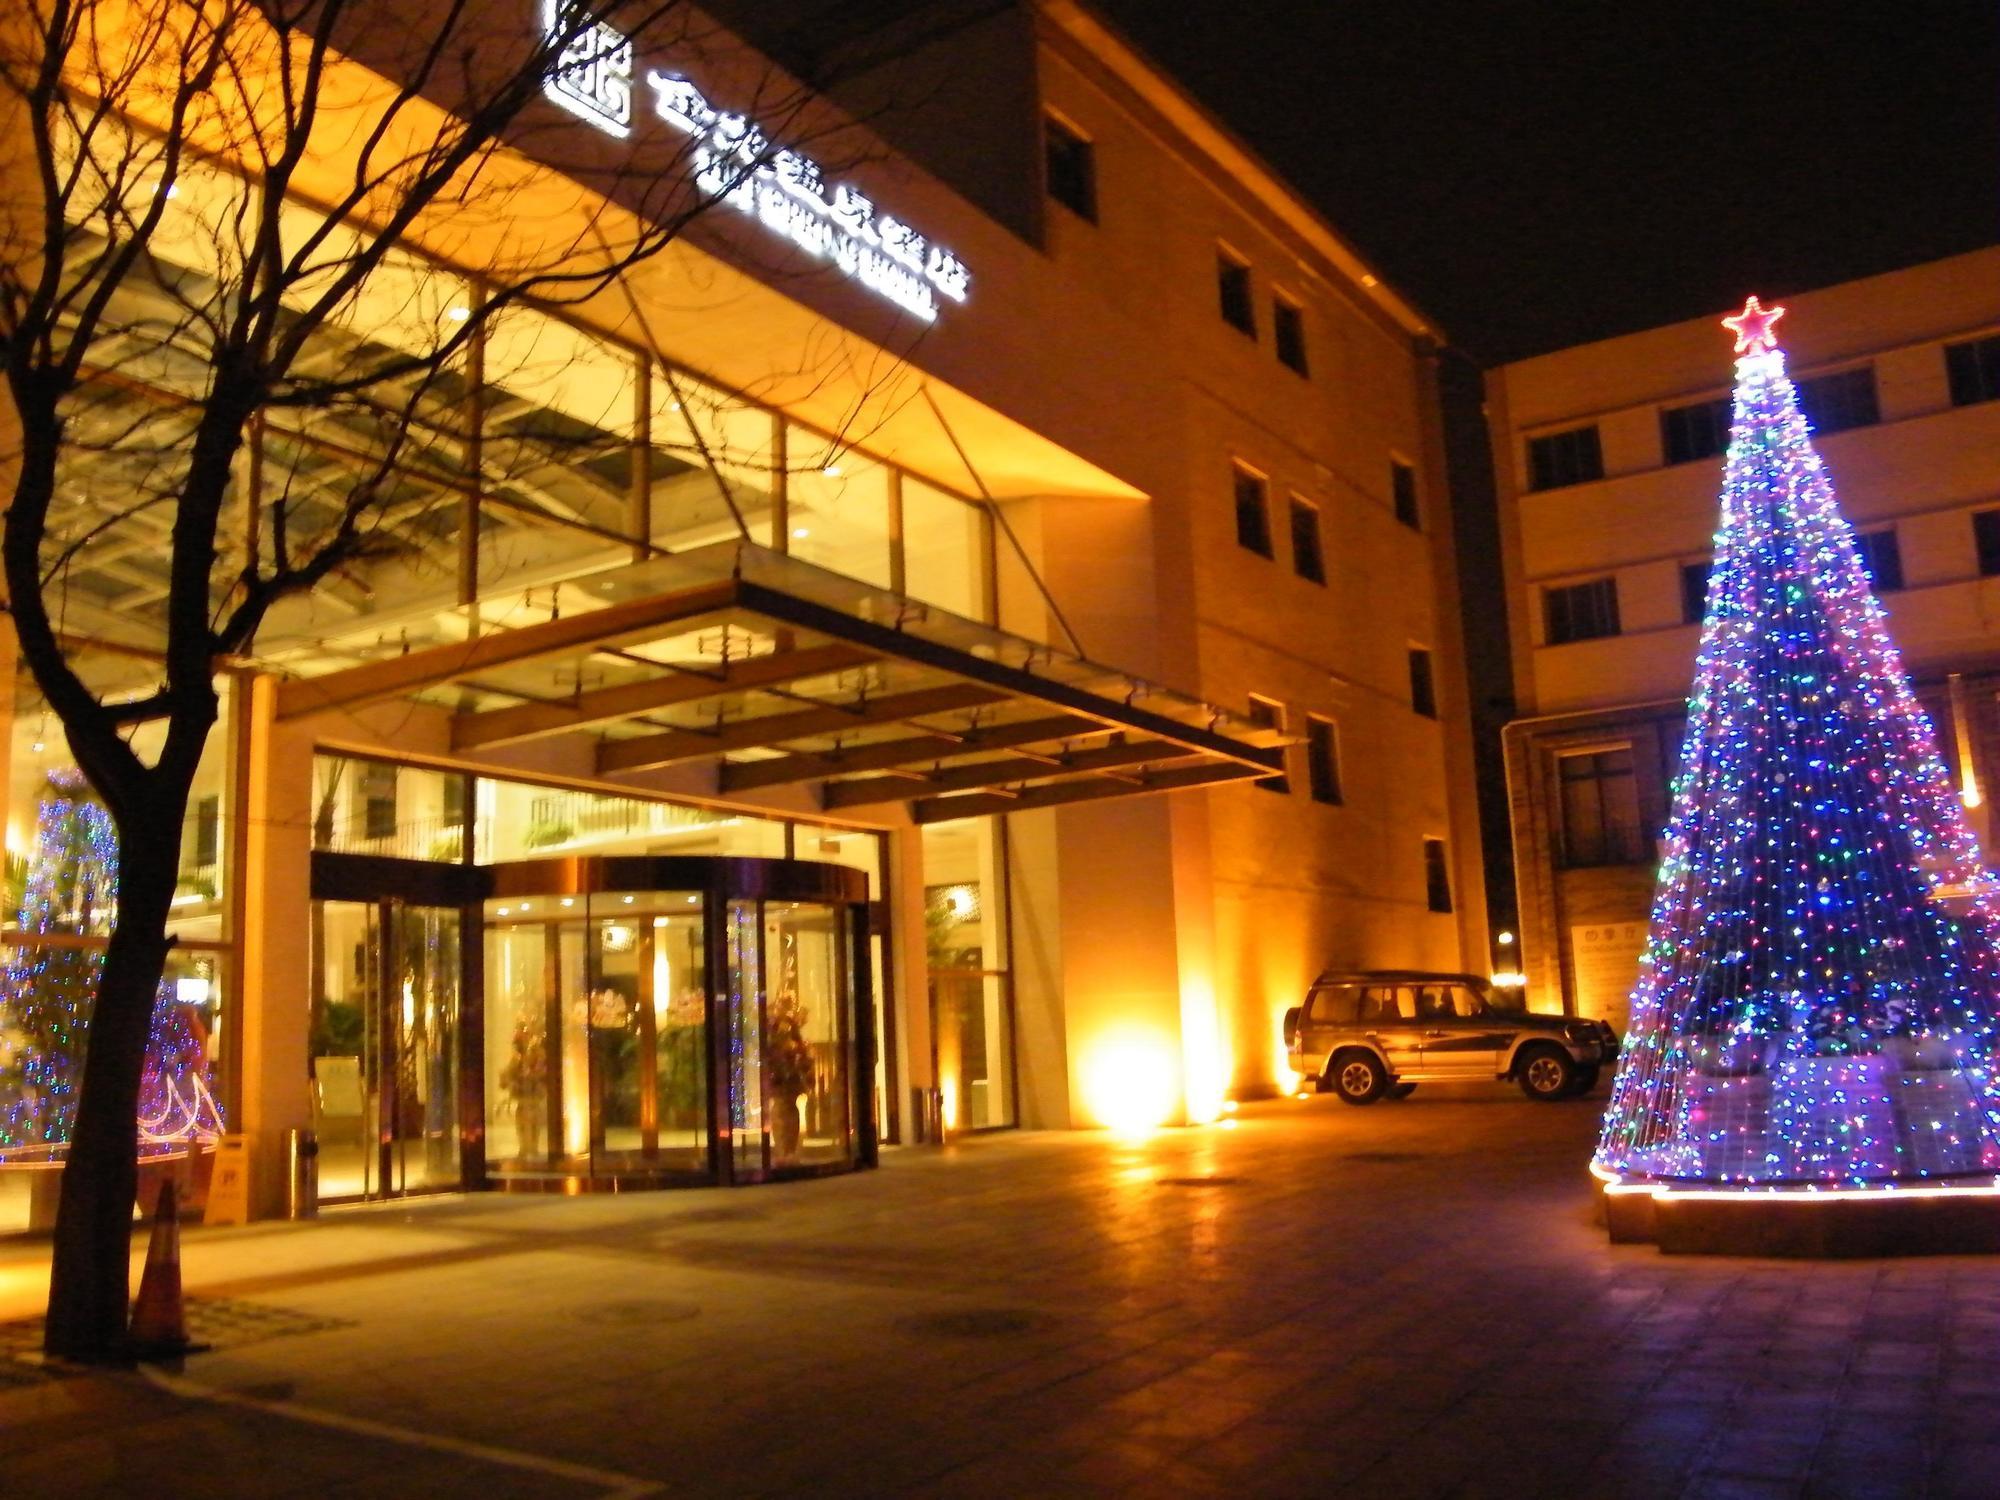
x: 1600, y: 810
x: 1986, y: 537
x: 1307, y: 559
x: 1072, y: 168
x: 1322, y: 761
x: 1973, y: 368
x: 1882, y: 558
x: 1437, y: 876
x: 1688, y: 433
x: 1232, y: 280
x: 377, y: 788
x: 1580, y: 611
x: 1253, y: 514
x: 1423, y: 693
x: 1694, y: 592
x: 205, y: 847
x: 1288, y: 331
x: 1572, y: 457
x: 1834, y: 403
x: 1403, y: 490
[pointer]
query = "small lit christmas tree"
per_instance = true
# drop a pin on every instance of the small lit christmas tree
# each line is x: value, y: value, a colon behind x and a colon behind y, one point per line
x: 1818, y: 998
x: 47, y: 992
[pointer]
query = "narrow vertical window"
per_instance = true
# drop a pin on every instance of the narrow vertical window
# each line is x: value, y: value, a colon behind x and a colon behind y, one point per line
x: 1437, y: 875
x: 1423, y: 694
x: 1308, y: 561
x: 1288, y: 332
x: 1232, y: 281
x: 1403, y: 490
x: 1253, y: 512
x: 1694, y: 592
x: 1071, y: 164
x: 1322, y: 761
x: 1986, y: 540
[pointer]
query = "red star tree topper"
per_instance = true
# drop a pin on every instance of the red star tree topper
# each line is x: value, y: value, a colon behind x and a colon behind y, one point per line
x: 1752, y: 327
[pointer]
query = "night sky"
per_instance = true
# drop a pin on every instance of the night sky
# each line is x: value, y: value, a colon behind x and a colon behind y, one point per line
x: 1535, y: 173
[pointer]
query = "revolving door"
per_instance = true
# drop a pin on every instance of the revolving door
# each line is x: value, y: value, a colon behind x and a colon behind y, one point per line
x: 649, y: 1021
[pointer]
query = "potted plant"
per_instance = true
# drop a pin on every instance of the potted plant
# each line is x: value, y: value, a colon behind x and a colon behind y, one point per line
x: 788, y: 1070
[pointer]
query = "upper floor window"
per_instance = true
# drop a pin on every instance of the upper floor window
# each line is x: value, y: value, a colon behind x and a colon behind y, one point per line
x: 1973, y: 368
x: 1232, y: 284
x: 1986, y: 538
x: 1580, y: 611
x: 1253, y: 512
x: 1844, y: 399
x: 1437, y: 876
x: 1882, y: 558
x: 1561, y: 458
x: 1600, y: 809
x: 1403, y: 492
x: 1322, y: 761
x: 1694, y: 592
x: 1688, y: 433
x: 1288, y: 331
x: 1307, y: 559
x: 1071, y: 168
x: 1268, y: 713
x: 1423, y: 691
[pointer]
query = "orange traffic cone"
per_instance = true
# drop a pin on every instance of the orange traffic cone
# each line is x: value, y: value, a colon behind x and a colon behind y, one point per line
x: 159, y: 1321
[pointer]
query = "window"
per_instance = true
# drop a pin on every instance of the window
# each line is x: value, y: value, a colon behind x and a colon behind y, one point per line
x: 1580, y: 611
x: 1437, y: 876
x: 1071, y: 165
x: 378, y: 800
x: 1232, y: 280
x: 1565, y: 458
x: 1423, y: 695
x: 1307, y: 559
x: 1834, y: 403
x: 1322, y: 761
x: 204, y: 849
x: 1288, y: 330
x: 1267, y: 713
x: 1336, y: 1003
x: 1882, y: 558
x: 1692, y: 432
x: 1986, y: 537
x: 1600, y: 809
x: 1403, y: 490
x: 1973, y: 369
x: 1694, y: 592
x: 1253, y: 513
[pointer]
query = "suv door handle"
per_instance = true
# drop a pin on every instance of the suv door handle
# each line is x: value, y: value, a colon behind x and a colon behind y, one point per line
x: 1437, y: 1033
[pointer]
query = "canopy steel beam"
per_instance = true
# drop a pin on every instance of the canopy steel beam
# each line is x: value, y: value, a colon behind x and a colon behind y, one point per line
x: 918, y: 749
x: 987, y: 773
x: 676, y: 684
x: 651, y: 750
x: 1056, y: 794
x: 416, y: 670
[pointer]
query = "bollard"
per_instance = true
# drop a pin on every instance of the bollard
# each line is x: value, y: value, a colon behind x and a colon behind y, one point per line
x: 302, y: 1175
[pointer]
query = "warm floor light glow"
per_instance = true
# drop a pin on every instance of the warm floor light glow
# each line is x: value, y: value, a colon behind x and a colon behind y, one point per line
x: 1130, y: 1083
x: 1205, y: 1061
x: 1508, y: 980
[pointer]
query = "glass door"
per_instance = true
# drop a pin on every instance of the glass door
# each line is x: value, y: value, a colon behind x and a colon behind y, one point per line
x: 385, y: 1047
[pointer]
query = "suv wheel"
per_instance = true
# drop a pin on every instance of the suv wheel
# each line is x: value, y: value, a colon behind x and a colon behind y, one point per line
x: 1357, y: 1077
x: 1545, y: 1073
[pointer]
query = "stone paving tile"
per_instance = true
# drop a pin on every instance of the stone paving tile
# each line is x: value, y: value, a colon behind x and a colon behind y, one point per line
x: 1408, y: 1301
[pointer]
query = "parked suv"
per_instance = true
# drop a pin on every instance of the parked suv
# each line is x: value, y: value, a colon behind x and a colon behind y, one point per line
x: 1365, y: 1035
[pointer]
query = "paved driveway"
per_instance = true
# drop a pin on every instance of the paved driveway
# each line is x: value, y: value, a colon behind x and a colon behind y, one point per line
x: 1408, y: 1300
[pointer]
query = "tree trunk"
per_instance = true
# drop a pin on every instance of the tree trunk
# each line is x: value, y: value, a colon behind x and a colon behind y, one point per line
x: 89, y: 1281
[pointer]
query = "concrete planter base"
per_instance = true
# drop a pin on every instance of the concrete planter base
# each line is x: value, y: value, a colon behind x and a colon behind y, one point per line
x: 1915, y: 1222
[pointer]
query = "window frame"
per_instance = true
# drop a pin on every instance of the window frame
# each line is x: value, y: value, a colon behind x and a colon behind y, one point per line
x: 1694, y: 602
x: 1242, y: 478
x: 1986, y: 541
x: 1841, y: 406
x: 1323, y: 761
x: 1881, y: 553
x: 1972, y: 370
x: 1077, y: 146
x: 1695, y: 430
x: 1269, y: 713
x: 1423, y: 682
x: 1566, y: 457
x: 1586, y: 610
x: 1610, y: 842
x: 1403, y: 497
x: 1236, y: 292
x: 1304, y: 518
x: 1437, y: 876
x: 1288, y: 334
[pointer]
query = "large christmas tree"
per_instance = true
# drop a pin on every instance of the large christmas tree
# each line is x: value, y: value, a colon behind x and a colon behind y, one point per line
x: 47, y: 991
x: 1818, y: 998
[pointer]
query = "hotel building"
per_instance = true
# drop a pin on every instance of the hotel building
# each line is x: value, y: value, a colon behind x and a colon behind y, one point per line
x: 1608, y: 458
x: 826, y: 688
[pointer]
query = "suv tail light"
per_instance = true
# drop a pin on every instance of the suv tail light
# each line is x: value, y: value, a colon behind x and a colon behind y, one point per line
x: 1292, y: 1027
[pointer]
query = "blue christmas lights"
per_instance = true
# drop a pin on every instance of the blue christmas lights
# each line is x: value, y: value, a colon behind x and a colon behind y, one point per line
x: 1819, y: 999
x: 47, y: 991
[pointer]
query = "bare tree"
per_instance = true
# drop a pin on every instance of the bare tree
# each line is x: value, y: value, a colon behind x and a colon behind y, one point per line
x: 165, y: 307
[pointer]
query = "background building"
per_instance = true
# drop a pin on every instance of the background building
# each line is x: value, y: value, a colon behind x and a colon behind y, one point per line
x: 744, y: 559
x: 1609, y: 460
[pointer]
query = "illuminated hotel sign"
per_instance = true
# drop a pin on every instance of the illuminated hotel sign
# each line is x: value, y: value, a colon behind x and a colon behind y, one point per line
x: 734, y: 161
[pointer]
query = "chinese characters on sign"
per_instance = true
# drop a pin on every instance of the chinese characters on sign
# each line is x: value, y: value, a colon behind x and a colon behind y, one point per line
x: 593, y: 76
x: 734, y: 161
